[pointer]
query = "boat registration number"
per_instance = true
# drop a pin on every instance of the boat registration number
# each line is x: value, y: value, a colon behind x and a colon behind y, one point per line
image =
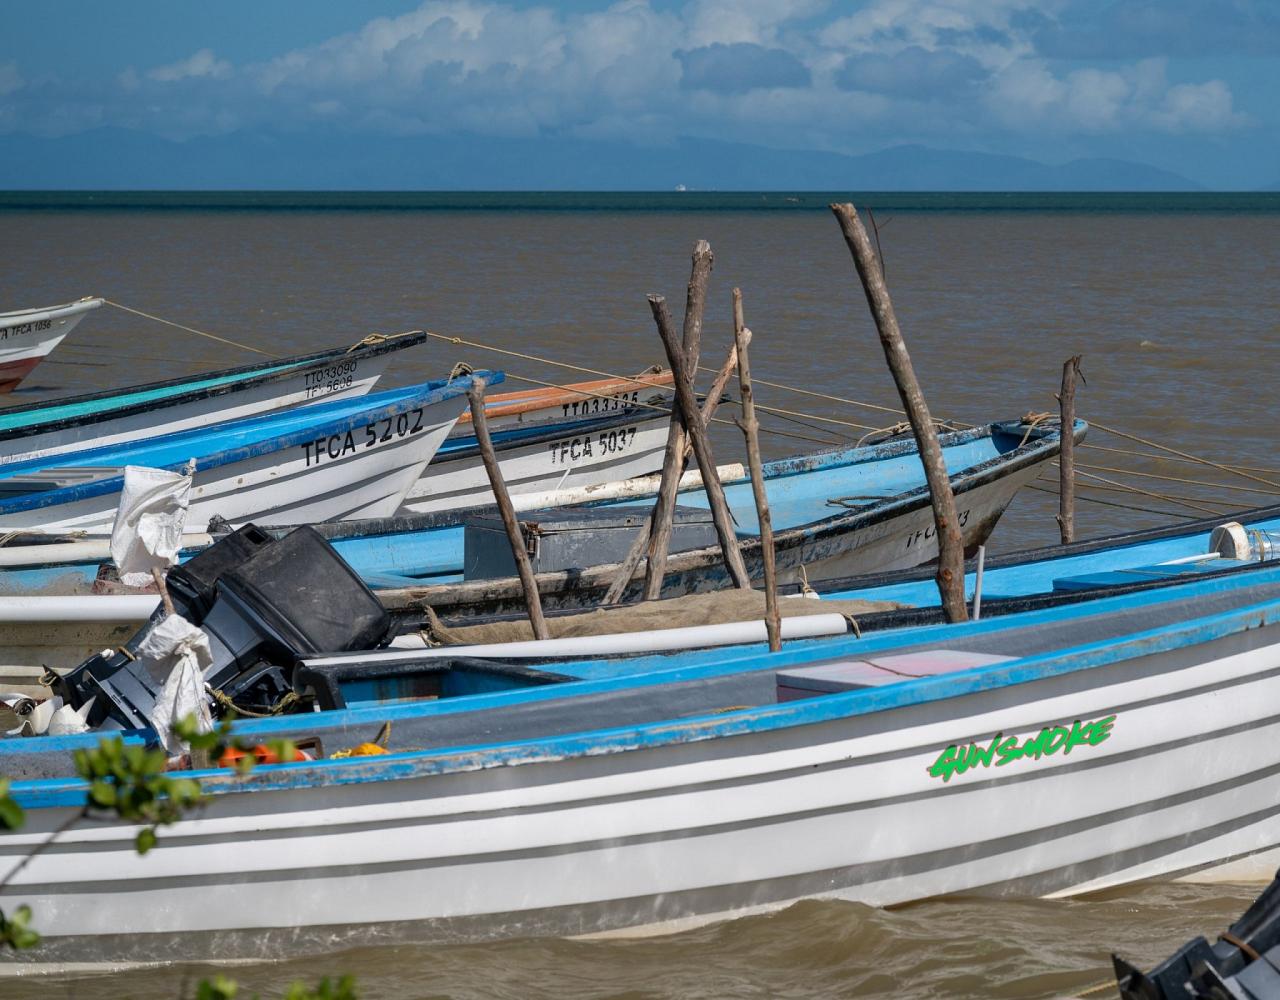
x: 333, y: 378
x: 601, y: 404
x: 927, y: 534
x: 578, y: 449
x: 335, y: 446
x: 24, y: 328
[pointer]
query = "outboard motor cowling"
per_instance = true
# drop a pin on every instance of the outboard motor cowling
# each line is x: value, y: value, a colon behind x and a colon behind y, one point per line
x: 268, y: 604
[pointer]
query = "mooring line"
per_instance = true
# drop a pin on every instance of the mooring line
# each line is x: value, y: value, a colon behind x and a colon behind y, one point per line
x: 1114, y: 503
x: 1182, y: 454
x: 191, y: 329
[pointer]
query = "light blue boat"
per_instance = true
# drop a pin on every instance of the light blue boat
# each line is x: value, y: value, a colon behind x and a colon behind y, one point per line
x: 834, y: 513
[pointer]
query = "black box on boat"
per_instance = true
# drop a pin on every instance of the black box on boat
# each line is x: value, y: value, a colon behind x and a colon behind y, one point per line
x: 271, y: 605
x: 193, y: 584
x: 572, y: 538
x: 307, y: 596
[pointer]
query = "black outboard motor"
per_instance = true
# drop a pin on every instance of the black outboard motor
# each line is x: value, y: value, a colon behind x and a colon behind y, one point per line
x: 1244, y: 964
x: 264, y: 604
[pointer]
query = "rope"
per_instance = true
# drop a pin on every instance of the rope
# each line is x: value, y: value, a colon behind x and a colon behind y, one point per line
x: 1105, y: 986
x: 460, y: 341
x: 650, y: 406
x: 460, y: 369
x: 1178, y: 479
x: 1183, y: 454
x: 1173, y: 459
x: 221, y: 697
x: 1166, y: 497
x: 1113, y: 503
x: 889, y: 431
x: 527, y: 357
x: 191, y: 329
x: 1244, y: 946
x: 818, y: 395
x: 1033, y: 420
x: 370, y: 340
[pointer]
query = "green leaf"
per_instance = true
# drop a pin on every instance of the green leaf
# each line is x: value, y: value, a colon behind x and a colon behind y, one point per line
x: 217, y: 988
x: 11, y: 815
x: 343, y: 989
x: 16, y: 932
x: 103, y: 794
x: 146, y: 839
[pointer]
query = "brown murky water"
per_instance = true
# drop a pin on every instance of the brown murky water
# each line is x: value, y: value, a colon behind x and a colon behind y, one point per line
x: 1176, y: 316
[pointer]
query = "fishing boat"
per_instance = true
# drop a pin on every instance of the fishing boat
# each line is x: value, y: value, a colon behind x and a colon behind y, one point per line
x: 835, y: 513
x: 345, y: 458
x: 884, y: 523
x: 553, y: 438
x: 39, y: 430
x: 1068, y: 749
x: 27, y: 336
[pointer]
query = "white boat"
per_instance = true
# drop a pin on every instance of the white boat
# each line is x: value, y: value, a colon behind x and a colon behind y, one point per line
x: 39, y: 430
x: 1071, y: 749
x: 343, y: 459
x: 581, y: 435
x: 28, y: 335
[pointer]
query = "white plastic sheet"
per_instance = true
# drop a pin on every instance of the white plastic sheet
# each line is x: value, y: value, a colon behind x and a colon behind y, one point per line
x: 50, y: 716
x: 183, y: 649
x: 149, y: 521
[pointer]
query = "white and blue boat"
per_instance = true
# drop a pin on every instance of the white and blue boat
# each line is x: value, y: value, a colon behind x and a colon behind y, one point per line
x: 38, y: 430
x: 834, y: 512
x: 346, y: 458
x: 1071, y: 748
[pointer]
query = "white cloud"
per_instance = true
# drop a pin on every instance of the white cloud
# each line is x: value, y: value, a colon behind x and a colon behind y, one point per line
x: 935, y: 71
x: 1026, y: 94
x: 201, y: 64
x: 1199, y: 107
x: 11, y: 80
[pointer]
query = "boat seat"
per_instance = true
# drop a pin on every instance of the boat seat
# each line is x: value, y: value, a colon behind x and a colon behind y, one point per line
x: 877, y: 671
x: 1143, y: 574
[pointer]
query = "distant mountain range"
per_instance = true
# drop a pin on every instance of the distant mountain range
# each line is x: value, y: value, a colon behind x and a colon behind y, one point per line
x: 120, y: 159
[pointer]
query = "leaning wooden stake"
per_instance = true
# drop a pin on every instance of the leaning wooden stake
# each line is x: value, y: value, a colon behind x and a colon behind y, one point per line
x: 751, y: 431
x: 677, y: 438
x: 688, y: 407
x: 1067, y: 459
x: 480, y: 427
x: 627, y: 568
x: 950, y: 540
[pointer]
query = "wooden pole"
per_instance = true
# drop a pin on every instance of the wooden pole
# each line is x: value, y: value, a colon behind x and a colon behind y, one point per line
x: 688, y: 406
x: 950, y: 541
x: 1067, y: 458
x: 677, y: 436
x: 480, y: 427
x: 751, y: 431
x: 640, y: 546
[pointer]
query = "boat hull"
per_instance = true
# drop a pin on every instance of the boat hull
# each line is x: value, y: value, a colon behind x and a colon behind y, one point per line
x: 583, y: 457
x: 323, y: 381
x: 362, y: 469
x: 889, y: 536
x: 658, y: 827
x: 27, y: 338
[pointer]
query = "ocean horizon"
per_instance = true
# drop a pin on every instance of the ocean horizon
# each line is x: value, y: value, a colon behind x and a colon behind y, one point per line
x: 1252, y: 202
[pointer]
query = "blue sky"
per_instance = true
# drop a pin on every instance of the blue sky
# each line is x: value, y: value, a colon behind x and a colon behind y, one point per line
x: 1186, y: 86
